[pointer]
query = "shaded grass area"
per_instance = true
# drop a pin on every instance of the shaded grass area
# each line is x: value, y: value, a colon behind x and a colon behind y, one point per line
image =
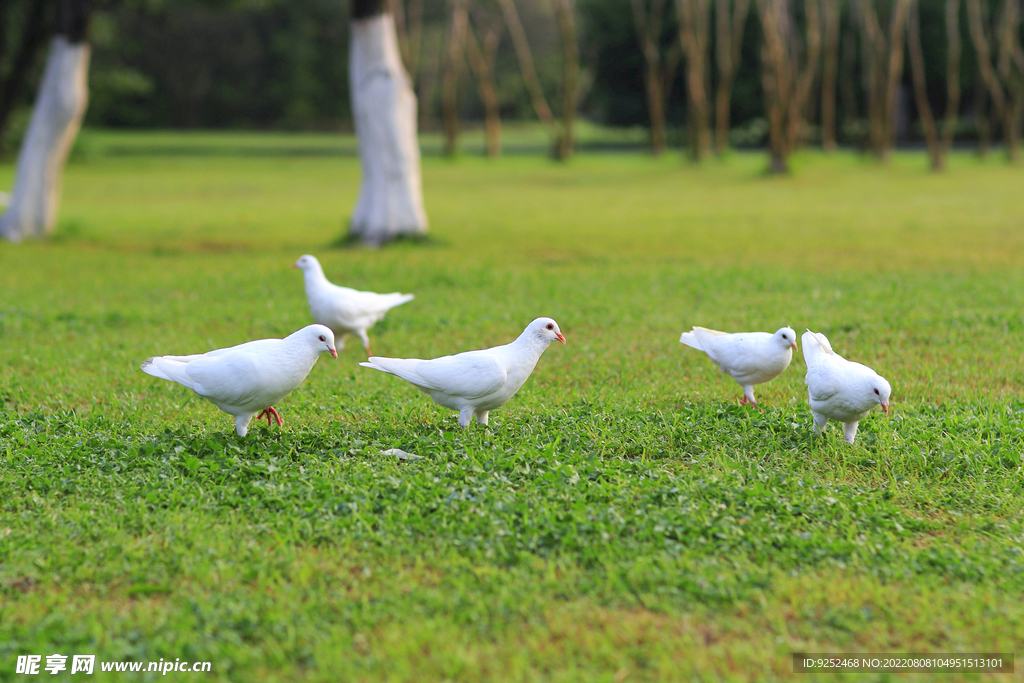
x: 621, y: 519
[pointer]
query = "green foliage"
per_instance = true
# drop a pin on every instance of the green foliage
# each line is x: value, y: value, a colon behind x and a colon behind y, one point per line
x: 621, y: 518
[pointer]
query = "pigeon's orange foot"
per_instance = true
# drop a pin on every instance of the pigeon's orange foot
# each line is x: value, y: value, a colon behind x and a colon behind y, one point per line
x: 267, y: 412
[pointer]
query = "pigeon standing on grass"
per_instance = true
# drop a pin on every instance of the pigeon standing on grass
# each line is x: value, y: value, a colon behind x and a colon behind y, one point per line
x: 476, y: 382
x: 346, y: 311
x: 749, y: 357
x: 249, y: 378
x: 840, y: 389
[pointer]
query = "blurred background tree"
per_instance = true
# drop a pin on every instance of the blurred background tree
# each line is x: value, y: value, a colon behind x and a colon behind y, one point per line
x: 283, y: 64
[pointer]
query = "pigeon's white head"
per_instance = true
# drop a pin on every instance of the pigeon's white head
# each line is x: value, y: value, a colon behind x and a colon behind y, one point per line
x: 307, y: 262
x: 319, y: 337
x: 881, y: 391
x: 786, y: 336
x: 544, y: 329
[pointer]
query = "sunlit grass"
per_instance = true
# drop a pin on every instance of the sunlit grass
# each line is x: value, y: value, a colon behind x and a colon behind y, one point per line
x: 622, y: 519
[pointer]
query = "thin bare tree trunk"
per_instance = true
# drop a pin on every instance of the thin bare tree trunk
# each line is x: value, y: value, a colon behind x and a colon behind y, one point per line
x: 953, y: 51
x: 830, y: 69
x: 481, y: 60
x: 409, y: 26
x: 561, y: 132
x: 457, y: 21
x: 729, y: 41
x: 526, y: 67
x: 1005, y: 81
x: 846, y: 85
x: 895, y: 70
x: 648, y: 28
x: 883, y: 51
x: 924, y: 108
x: 787, y: 76
x: 805, y: 80
x: 570, y: 77
x: 431, y: 65
x: 981, y: 117
x: 694, y: 35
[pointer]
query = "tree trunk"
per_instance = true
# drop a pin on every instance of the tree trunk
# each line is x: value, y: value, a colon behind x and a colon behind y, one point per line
x: 924, y: 108
x: 570, y: 77
x: 384, y: 108
x: 56, y: 118
x: 981, y: 117
x: 851, y: 110
x: 830, y: 69
x: 561, y: 133
x: 458, y: 18
x: 952, y: 73
x: 648, y: 29
x: 526, y: 67
x: 883, y: 60
x: 729, y: 41
x: 409, y: 26
x: 694, y: 30
x: 1005, y: 81
x: 788, y: 71
x: 895, y: 70
x: 481, y: 60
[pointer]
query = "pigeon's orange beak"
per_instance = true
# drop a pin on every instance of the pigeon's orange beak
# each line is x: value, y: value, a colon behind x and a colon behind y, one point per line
x: 793, y: 344
x: 295, y: 265
x: 885, y: 408
x: 560, y: 337
x: 333, y: 352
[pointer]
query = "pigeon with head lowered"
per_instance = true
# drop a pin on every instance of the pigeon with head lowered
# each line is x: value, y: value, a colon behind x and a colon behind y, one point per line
x: 476, y: 382
x: 248, y: 379
x: 840, y: 389
x: 344, y: 310
x: 749, y: 357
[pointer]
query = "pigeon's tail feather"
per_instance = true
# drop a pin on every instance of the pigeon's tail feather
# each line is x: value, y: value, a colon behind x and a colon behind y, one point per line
x: 700, y: 338
x: 815, y: 347
x: 396, y: 299
x: 169, y: 369
x: 150, y: 368
x: 399, y: 367
x: 690, y: 339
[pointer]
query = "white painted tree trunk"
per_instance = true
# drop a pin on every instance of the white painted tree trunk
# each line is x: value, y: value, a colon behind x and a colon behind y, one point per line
x: 384, y: 107
x: 56, y: 118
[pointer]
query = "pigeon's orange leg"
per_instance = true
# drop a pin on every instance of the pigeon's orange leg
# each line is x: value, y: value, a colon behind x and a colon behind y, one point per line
x: 267, y: 412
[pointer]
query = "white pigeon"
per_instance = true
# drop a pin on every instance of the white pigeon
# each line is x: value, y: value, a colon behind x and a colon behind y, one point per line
x: 249, y: 378
x: 749, y: 357
x: 476, y: 382
x: 840, y: 389
x: 344, y: 310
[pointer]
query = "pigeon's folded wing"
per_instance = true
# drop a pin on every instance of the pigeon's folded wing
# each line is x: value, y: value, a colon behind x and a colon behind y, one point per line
x: 738, y: 361
x: 230, y: 378
x: 823, y: 381
x: 470, y: 375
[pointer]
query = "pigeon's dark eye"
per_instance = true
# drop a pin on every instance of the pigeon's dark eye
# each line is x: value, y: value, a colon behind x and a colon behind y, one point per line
x: 550, y: 326
x: 323, y: 338
x: 876, y: 391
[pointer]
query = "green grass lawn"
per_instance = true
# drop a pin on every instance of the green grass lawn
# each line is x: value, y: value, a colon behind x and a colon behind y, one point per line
x: 622, y: 519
